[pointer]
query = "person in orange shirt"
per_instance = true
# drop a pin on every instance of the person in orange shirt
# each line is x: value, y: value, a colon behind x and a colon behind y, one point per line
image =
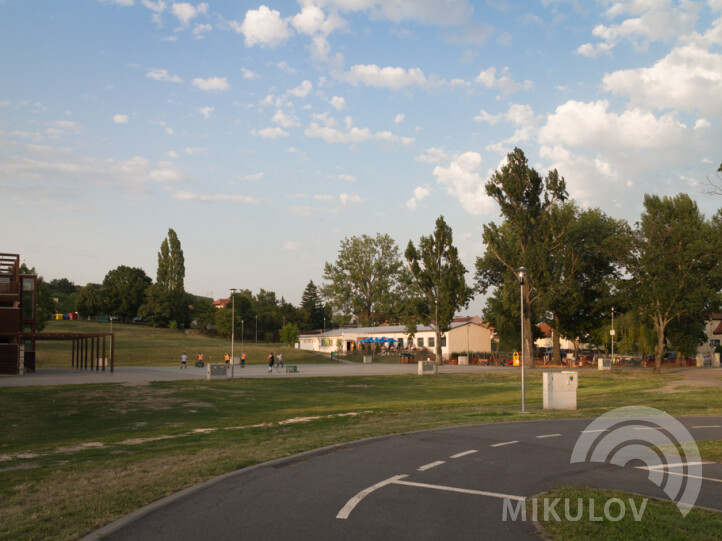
x: 227, y: 358
x: 243, y: 359
x: 200, y: 359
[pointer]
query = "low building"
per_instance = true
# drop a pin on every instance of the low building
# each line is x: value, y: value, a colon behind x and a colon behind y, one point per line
x: 468, y: 334
x: 713, y: 330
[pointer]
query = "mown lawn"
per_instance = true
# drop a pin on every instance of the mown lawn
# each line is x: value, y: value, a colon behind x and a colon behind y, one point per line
x: 141, y: 345
x: 73, y: 458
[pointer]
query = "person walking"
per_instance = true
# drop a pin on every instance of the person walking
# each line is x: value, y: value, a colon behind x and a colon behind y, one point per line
x: 184, y: 360
x: 227, y: 358
x: 270, y: 362
x: 280, y: 360
x: 243, y: 359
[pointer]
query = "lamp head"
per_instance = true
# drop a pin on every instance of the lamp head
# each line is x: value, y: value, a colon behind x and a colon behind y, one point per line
x: 521, y: 274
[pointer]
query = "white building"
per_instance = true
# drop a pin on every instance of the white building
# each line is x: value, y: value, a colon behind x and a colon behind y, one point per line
x: 466, y: 334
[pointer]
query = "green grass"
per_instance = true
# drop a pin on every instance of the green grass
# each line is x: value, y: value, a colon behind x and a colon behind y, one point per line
x: 141, y: 345
x: 660, y: 520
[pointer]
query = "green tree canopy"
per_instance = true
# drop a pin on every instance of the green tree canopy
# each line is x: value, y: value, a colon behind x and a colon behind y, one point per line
x: 437, y: 275
x: 674, y: 263
x: 529, y: 233
x: 124, y: 291
x: 364, y: 280
x: 167, y: 302
x: 89, y: 302
x: 289, y: 334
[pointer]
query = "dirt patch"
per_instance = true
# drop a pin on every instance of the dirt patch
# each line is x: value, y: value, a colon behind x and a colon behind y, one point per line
x: 691, y: 377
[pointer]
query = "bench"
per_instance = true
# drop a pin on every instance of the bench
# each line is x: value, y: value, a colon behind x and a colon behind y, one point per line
x: 291, y: 369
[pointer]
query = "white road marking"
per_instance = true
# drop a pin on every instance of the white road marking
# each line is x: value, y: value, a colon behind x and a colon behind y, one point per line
x: 593, y: 431
x: 504, y: 443
x: 459, y: 455
x: 675, y: 465
x: 353, y: 502
x: 707, y: 426
x: 431, y: 465
x: 462, y: 490
x: 685, y: 474
x: 548, y: 436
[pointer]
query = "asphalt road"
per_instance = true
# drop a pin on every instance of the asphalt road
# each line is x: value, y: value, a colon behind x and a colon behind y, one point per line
x: 439, y: 484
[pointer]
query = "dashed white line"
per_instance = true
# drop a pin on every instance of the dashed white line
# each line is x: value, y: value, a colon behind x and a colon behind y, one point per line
x: 465, y: 453
x: 504, y: 443
x: 353, y: 502
x: 593, y: 431
x: 707, y: 426
x: 430, y: 465
x: 683, y: 474
x: 548, y: 436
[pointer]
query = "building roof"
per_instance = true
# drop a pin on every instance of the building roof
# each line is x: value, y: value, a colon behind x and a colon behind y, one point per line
x: 388, y: 329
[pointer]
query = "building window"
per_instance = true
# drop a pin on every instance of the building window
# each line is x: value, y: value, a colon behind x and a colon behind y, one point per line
x: 432, y: 341
x: 714, y: 343
x: 420, y: 342
x: 443, y: 341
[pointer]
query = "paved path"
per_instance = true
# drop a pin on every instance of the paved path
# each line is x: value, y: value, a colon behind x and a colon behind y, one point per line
x: 449, y: 483
x: 138, y: 374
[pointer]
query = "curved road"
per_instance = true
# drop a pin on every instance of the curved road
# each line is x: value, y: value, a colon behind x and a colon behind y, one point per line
x: 439, y: 484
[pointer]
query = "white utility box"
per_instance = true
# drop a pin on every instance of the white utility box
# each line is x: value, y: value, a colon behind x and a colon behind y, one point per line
x: 560, y: 390
x: 604, y: 364
x: 463, y: 360
x: 368, y: 359
x: 426, y: 367
x: 217, y: 371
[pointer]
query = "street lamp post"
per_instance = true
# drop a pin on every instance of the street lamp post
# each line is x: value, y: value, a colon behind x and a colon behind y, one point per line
x: 612, y: 334
x: 256, y: 329
x: 242, y: 347
x: 521, y: 274
x: 233, y: 325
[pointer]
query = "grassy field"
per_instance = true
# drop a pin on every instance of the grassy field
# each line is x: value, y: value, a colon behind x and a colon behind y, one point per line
x: 140, y: 345
x: 73, y: 458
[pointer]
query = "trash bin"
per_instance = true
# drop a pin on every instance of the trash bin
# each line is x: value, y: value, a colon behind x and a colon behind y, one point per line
x: 560, y: 390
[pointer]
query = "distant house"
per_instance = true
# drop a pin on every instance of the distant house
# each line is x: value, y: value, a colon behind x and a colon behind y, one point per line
x: 547, y: 341
x: 221, y: 303
x: 465, y: 334
x: 713, y: 330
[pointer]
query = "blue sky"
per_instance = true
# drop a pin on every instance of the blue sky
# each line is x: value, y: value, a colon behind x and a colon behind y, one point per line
x: 264, y: 134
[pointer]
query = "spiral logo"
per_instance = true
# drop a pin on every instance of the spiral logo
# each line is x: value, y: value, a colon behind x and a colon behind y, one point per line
x: 665, y: 447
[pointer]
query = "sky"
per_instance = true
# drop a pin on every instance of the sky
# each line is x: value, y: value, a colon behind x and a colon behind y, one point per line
x: 266, y: 133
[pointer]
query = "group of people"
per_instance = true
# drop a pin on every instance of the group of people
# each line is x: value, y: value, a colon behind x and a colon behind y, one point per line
x: 200, y: 362
x: 272, y: 361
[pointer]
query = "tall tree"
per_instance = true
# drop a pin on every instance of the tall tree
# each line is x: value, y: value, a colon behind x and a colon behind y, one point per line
x: 364, y: 280
x: 526, y: 236
x: 581, y: 273
x: 166, y: 301
x: 674, y: 263
x: 312, y: 307
x: 438, y: 276
x: 89, y: 301
x: 124, y: 291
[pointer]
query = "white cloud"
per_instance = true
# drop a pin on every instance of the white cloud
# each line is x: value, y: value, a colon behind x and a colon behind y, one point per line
x: 200, y: 29
x: 338, y: 103
x: 388, y: 77
x: 520, y: 116
x: 215, y: 198
x: 504, y: 83
x: 293, y: 246
x: 120, y: 119
x: 194, y: 150
x: 254, y: 177
x: 163, y: 75
x: 302, y: 90
x: 398, y: 119
x: 249, y: 74
x: 329, y: 133
x: 206, y: 111
x: 185, y: 12
x: 688, y: 78
x: 435, y: 155
x: 462, y: 178
x: 347, y: 178
x: 211, y: 84
x: 263, y: 27
x: 157, y: 7
x: 284, y: 120
x: 348, y: 199
x: 647, y: 22
x: 309, y: 20
x: 420, y: 193
x: 433, y: 12
x: 271, y: 133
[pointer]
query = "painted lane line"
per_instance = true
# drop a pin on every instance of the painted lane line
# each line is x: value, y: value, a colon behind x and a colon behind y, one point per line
x: 504, y: 443
x: 462, y: 490
x: 675, y: 465
x: 593, y: 431
x: 431, y: 465
x: 684, y: 475
x: 707, y: 426
x: 459, y: 455
x: 353, y: 502
x: 548, y: 436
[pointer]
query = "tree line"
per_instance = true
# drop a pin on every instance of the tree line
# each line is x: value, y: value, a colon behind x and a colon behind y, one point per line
x: 662, y: 275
